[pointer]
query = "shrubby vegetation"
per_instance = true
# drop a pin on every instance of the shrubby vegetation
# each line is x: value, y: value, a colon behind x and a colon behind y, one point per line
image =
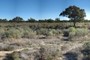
x: 72, y: 32
x: 12, y: 33
x: 48, y: 32
x: 26, y: 32
x: 13, y: 56
x: 81, y: 31
x: 31, y: 31
x: 5, y: 47
x: 86, y: 51
x: 18, y: 33
x: 77, y: 32
x: 48, y: 53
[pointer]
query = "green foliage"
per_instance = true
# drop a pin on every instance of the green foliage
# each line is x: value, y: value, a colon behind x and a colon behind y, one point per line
x: 50, y: 20
x: 77, y: 32
x: 5, y: 47
x: 86, y: 50
x: 81, y: 31
x: 17, y: 19
x: 72, y: 32
x: 49, y: 52
x: 72, y: 29
x: 15, y: 56
x: 12, y: 33
x: 53, y: 32
x: 2, y: 30
x: 17, y: 32
x: 48, y: 32
x: 26, y: 32
x: 57, y: 20
x: 29, y: 33
x: 87, y: 46
x: 42, y: 31
x: 31, y: 20
x: 74, y: 13
x: 3, y: 20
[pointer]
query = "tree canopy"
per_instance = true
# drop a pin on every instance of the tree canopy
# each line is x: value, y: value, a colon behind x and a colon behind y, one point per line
x: 17, y: 19
x: 74, y: 13
x: 31, y: 20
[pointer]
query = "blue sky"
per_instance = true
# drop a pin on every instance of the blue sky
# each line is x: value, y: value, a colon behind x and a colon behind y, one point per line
x: 39, y: 9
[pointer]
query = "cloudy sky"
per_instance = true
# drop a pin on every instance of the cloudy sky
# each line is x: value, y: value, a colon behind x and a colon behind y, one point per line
x: 39, y: 9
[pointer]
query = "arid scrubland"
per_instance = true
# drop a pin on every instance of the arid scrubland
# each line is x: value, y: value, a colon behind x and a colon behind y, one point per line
x: 27, y: 43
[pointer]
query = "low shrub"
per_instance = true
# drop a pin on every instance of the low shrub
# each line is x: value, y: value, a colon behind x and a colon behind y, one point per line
x: 87, y: 45
x: 49, y: 53
x: 86, y: 51
x: 81, y: 31
x: 42, y: 31
x: 48, y: 32
x: 29, y: 33
x: 5, y: 47
x: 12, y: 33
x: 2, y: 31
x: 15, y: 56
x: 77, y: 32
x: 72, y: 29
x: 17, y: 32
x: 72, y: 32
x: 53, y: 32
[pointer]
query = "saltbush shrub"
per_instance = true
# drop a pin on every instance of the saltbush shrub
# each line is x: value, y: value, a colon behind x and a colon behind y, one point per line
x: 72, y: 29
x: 2, y: 31
x: 15, y: 56
x: 72, y: 32
x: 5, y: 47
x: 49, y: 52
x: 86, y: 51
x: 12, y: 33
x: 81, y: 31
x: 17, y: 32
x: 48, y: 32
x: 87, y: 45
x: 53, y: 32
x: 77, y: 32
x: 42, y: 31
x: 29, y: 33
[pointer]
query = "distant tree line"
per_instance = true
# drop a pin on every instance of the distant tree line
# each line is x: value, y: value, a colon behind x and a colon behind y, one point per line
x: 32, y: 20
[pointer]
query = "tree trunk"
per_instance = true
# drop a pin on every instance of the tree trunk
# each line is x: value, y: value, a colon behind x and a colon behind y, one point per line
x: 74, y: 23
